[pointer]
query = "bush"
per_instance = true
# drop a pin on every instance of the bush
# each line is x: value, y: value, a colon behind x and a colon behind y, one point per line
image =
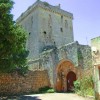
x: 46, y: 90
x: 84, y: 86
x: 50, y: 91
x: 76, y: 85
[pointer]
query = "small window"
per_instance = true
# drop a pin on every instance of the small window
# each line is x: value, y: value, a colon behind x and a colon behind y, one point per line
x: 29, y: 33
x: 61, y: 29
x: 44, y: 32
x: 61, y: 17
x: 32, y: 19
x: 66, y: 24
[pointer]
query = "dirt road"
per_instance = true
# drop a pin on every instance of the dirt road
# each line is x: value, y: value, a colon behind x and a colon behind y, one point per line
x: 54, y: 96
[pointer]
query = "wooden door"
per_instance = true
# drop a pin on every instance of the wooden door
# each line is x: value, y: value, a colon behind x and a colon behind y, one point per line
x: 71, y: 77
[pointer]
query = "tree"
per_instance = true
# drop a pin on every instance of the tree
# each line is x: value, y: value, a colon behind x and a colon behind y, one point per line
x: 13, y: 52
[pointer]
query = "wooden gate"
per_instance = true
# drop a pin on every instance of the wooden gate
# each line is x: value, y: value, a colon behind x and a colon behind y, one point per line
x: 71, y: 77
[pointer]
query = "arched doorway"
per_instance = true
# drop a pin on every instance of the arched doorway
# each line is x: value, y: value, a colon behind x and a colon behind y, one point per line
x: 71, y: 77
x: 64, y: 68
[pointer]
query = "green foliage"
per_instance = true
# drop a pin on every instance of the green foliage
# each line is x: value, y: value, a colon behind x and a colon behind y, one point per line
x: 46, y: 90
x: 84, y: 86
x: 51, y: 91
x: 77, y: 85
x: 12, y: 40
x: 80, y: 54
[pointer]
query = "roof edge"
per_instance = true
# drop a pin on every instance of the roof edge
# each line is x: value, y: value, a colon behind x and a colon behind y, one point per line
x: 46, y: 6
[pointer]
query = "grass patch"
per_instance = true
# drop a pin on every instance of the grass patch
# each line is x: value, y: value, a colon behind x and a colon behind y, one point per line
x: 51, y: 91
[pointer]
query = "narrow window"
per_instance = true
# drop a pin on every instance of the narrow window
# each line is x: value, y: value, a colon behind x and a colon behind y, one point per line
x: 61, y: 29
x: 32, y: 19
x: 54, y: 42
x: 44, y: 32
x: 43, y: 23
x: 62, y: 19
x: 29, y: 33
x: 50, y: 20
x: 66, y: 24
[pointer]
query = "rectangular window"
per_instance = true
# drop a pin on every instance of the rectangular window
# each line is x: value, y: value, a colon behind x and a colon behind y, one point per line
x: 61, y: 19
x: 61, y: 29
x: 66, y: 24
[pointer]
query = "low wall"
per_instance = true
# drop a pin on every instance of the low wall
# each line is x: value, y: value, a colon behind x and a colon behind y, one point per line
x: 12, y: 84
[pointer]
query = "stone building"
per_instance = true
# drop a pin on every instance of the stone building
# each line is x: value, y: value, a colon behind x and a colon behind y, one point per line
x: 51, y: 44
x: 95, y: 43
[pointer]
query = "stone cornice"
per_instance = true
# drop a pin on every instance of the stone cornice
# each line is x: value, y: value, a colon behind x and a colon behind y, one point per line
x: 58, y: 11
x: 50, y: 8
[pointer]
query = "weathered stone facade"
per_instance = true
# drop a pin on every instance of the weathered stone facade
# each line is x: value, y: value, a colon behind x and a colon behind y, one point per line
x: 78, y: 55
x: 51, y: 41
x: 49, y: 25
x: 12, y: 84
x: 95, y: 43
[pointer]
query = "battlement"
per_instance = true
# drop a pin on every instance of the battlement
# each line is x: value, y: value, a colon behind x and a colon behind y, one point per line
x: 45, y: 6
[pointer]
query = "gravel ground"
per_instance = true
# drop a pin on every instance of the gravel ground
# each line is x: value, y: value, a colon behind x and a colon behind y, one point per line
x: 51, y: 96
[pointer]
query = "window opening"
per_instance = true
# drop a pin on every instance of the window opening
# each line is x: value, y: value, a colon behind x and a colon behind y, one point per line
x: 29, y: 33
x: 66, y: 23
x: 44, y: 32
x: 61, y: 29
x: 62, y: 19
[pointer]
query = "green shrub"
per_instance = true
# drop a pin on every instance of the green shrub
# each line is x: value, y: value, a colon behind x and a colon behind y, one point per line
x: 84, y: 86
x: 46, y: 89
x: 50, y: 91
x: 76, y: 85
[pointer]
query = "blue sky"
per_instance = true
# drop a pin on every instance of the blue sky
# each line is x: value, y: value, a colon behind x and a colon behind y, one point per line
x: 86, y: 23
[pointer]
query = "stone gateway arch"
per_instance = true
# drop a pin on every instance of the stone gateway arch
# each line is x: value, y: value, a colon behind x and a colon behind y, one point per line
x: 66, y: 75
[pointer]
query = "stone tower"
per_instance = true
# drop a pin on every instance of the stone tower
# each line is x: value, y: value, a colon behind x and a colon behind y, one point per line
x: 47, y: 26
x: 51, y: 45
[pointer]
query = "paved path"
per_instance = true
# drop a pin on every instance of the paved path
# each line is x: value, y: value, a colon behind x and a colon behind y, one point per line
x: 54, y: 96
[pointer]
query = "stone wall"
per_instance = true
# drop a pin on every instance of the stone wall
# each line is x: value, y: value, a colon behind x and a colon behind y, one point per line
x: 79, y: 55
x: 55, y: 28
x: 95, y: 44
x: 84, y: 56
x: 45, y: 62
x: 11, y: 84
x: 69, y: 51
